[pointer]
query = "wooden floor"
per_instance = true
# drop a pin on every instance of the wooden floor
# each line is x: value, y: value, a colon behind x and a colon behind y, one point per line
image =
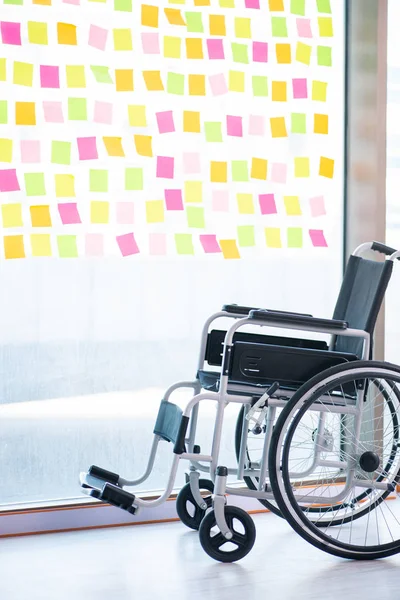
x: 167, y: 562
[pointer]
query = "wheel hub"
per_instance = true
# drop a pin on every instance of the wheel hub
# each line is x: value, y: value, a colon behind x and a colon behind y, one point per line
x: 369, y: 461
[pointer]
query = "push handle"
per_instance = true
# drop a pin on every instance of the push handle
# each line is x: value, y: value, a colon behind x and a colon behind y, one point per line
x: 383, y: 249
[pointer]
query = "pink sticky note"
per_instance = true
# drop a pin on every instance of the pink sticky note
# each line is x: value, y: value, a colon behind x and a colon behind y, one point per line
x: 94, y: 244
x: 53, y: 112
x: 209, y: 243
x: 69, y: 213
x: 76, y: 2
x: 256, y: 125
x: 318, y: 238
x: 173, y: 199
x: 317, y: 206
x: 150, y: 43
x: 49, y: 76
x: 267, y: 204
x: 215, y: 48
x: 191, y: 162
x: 158, y: 244
x: 10, y: 33
x: 218, y: 84
x: 260, y: 52
x: 252, y: 3
x: 30, y: 151
x: 304, y: 28
x: 125, y: 212
x: 234, y: 126
x: 87, y: 148
x: 127, y: 244
x: 299, y: 88
x: 8, y: 180
x: 220, y: 200
x: 165, y: 167
x: 103, y: 112
x: 98, y: 37
x: 279, y: 172
x: 165, y: 121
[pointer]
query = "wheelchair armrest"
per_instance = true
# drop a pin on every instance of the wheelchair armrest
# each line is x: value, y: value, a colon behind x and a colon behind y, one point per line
x: 294, y: 319
x: 245, y: 310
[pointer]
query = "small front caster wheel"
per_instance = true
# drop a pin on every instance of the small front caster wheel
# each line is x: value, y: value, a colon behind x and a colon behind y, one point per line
x: 187, y: 508
x: 217, y: 546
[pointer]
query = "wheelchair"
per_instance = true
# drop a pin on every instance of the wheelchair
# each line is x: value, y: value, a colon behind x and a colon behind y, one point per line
x: 317, y: 435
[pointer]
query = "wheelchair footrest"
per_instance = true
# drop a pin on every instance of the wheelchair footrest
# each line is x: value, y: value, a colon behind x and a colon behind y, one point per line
x: 106, y: 491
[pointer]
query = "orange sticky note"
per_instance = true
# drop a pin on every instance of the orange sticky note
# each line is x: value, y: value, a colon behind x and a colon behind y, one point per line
x: 42, y: 2
x: 25, y: 113
x: 202, y: 2
x: 153, y: 81
x: 283, y: 54
x: 14, y: 246
x: 66, y: 34
x: 279, y: 91
x: 194, y: 48
x: 124, y: 80
x: 143, y: 145
x: 229, y: 248
x: 321, y: 124
x: 217, y: 25
x: 326, y: 167
x: 114, y: 146
x: 149, y: 15
x: 197, y: 85
x: 276, y: 5
x: 278, y: 127
x: 259, y: 168
x: 174, y: 16
x: 40, y: 216
x: 218, y: 171
x: 191, y: 121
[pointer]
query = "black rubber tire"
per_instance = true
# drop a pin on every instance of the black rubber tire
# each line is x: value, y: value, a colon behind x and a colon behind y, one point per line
x: 185, y: 496
x: 244, y: 542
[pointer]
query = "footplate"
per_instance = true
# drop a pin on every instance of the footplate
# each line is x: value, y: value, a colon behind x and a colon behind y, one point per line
x: 95, y: 484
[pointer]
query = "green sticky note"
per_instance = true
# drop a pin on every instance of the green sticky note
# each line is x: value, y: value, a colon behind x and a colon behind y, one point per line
x: 133, y: 179
x: 176, y: 84
x: 324, y: 6
x: 34, y: 184
x: 77, y: 109
x: 298, y: 123
x: 123, y: 5
x: 194, y: 22
x: 213, y: 131
x: 98, y: 180
x: 298, y: 7
x: 16, y: 2
x: 295, y: 237
x: 279, y: 27
x: 67, y: 247
x: 246, y: 236
x: 101, y: 74
x: 324, y: 56
x: 195, y: 217
x: 240, y: 53
x: 61, y: 153
x: 260, y: 85
x: 184, y: 243
x: 3, y: 112
x: 240, y: 170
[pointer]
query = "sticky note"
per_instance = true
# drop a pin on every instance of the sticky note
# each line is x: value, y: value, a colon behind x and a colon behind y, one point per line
x: 218, y: 84
x: 298, y: 7
x: 143, y: 145
x: 259, y: 167
x: 15, y: 2
x: 326, y: 167
x: 218, y: 171
x: 227, y: 3
x: 165, y: 121
x: 283, y: 54
x: 174, y: 16
x: 240, y: 170
x: 101, y: 74
x: 279, y: 173
x: 98, y: 37
x: 9, y: 180
x: 246, y: 237
x: 124, y: 80
x: 202, y: 2
x: 3, y: 69
x: 14, y: 246
x: 294, y: 237
x: 256, y: 125
x: 191, y: 121
x: 61, y: 153
x: 137, y: 115
x: 236, y: 81
x: 87, y: 148
x: 98, y: 180
x: 213, y: 131
x: 229, y: 249
x: 267, y: 204
x: 298, y: 123
x: 299, y: 88
x: 25, y: 113
x: 103, y: 112
x: 94, y: 244
x: 66, y: 34
x: 279, y: 93
x: 317, y: 206
x: 292, y: 206
x: 49, y: 77
x: 210, y: 243
x: 153, y: 81
x: 197, y: 85
x: 42, y: 2
x: 252, y: 4
x: 303, y: 53
x: 195, y: 217
x: 157, y: 244
x: 150, y: 43
x: 123, y: 5
x: 173, y: 199
x: 124, y: 213
x: 23, y: 74
x: 184, y: 243
x: 279, y: 27
x: 113, y: 146
x: 276, y: 5
x: 194, y: 48
x: 10, y: 33
x: 127, y: 244
x: 65, y: 186
x: 11, y: 215
x: 172, y: 47
x: 75, y: 76
x: 40, y: 216
x: 133, y: 179
x: 240, y: 53
x: 30, y: 151
x: 122, y: 40
x: 319, y: 91
x: 40, y: 244
x: 3, y: 112
x: 165, y: 167
x: 215, y: 49
x: 324, y: 6
x: 191, y: 162
x: 302, y: 167
x: 34, y: 184
x: 175, y: 84
x: 242, y: 27
x: 217, y: 25
x: 67, y: 247
x: 99, y: 212
x: 278, y: 127
x: 273, y: 237
x: 234, y: 126
x: 325, y: 26
x: 77, y: 109
x: 317, y: 238
x: 149, y: 15
x: 53, y: 112
x: 245, y: 204
x: 260, y: 52
x: 324, y: 56
x: 260, y: 85
x: 193, y: 192
x: 304, y: 28
x: 69, y: 213
x: 220, y: 200
x: 321, y: 124
x: 6, y: 150
x: 194, y: 22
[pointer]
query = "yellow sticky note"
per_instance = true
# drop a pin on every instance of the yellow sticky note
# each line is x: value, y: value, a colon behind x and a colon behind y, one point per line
x: 153, y: 81
x: 321, y: 124
x: 283, y: 54
x: 279, y: 91
x: 325, y: 26
x: 65, y: 186
x: 99, y: 212
x: 75, y: 76
x: 11, y: 215
x: 217, y: 25
x: 242, y: 27
x: 276, y: 5
x: 114, y: 146
x: 40, y: 216
x: 303, y: 53
x: 122, y: 39
x: 292, y: 205
x: 14, y: 246
x: 3, y: 69
x: 194, y: 48
x: 124, y: 80
x: 273, y: 237
x: 155, y: 211
x: 218, y: 171
x: 23, y: 74
x: 278, y: 127
x: 149, y: 15
x: 137, y: 115
x: 6, y: 150
x: 319, y: 91
x: 229, y: 248
x: 25, y: 113
x: 193, y: 191
x: 172, y: 47
x: 197, y: 85
x: 66, y: 34
x: 259, y: 167
x: 37, y: 33
x: 245, y: 204
x: 41, y: 244
x: 326, y: 167
x: 191, y: 121
x: 236, y: 81
x: 174, y: 16
x: 143, y: 145
x: 302, y: 167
